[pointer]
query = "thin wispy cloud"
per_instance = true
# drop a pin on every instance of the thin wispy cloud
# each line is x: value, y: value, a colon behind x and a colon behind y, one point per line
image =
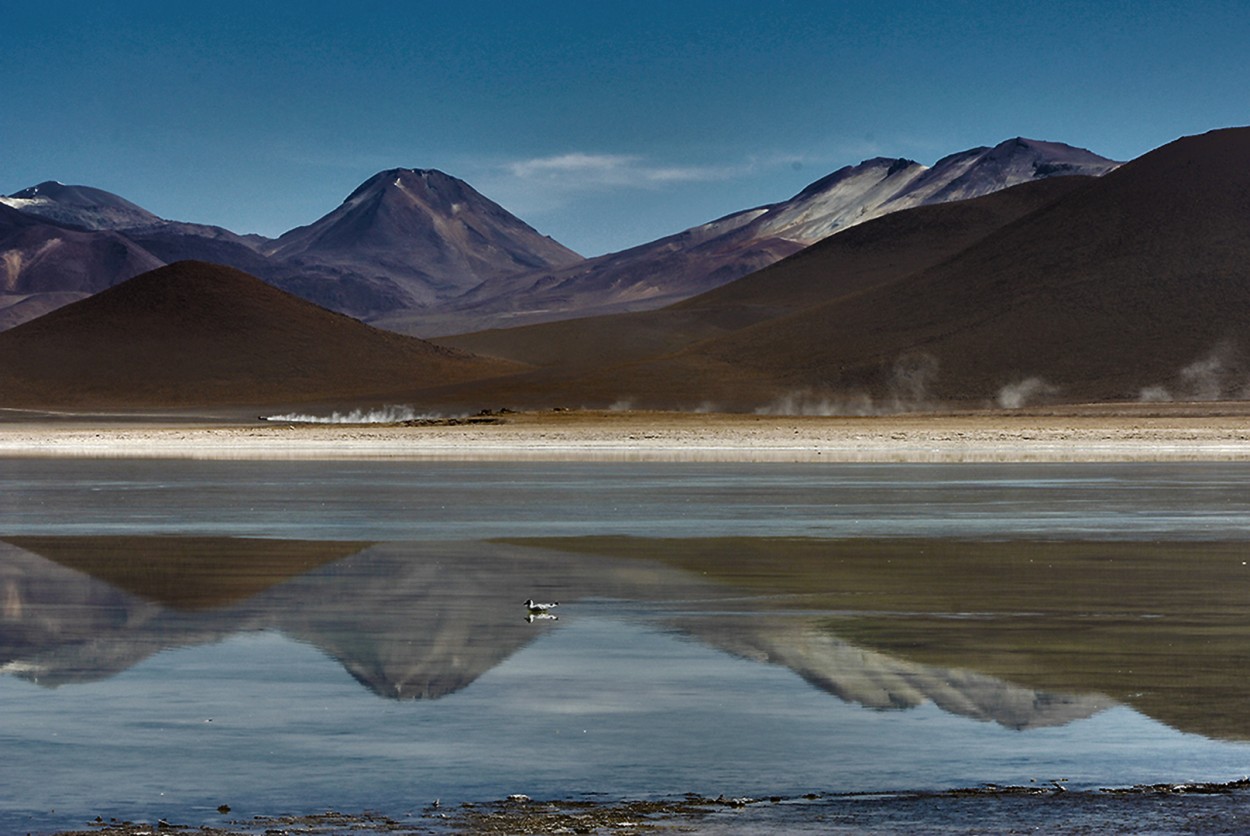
x: 542, y: 187
x: 579, y: 170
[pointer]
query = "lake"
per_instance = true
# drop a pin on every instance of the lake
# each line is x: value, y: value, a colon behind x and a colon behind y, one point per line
x: 289, y: 636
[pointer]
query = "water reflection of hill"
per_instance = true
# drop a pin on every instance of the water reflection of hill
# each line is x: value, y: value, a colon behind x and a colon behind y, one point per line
x: 1161, y: 626
x: 77, y: 609
x: 188, y: 573
x: 419, y: 621
x: 407, y: 620
x: 880, y: 681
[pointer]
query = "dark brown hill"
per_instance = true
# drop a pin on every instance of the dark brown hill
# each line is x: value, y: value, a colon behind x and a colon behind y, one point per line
x: 1114, y: 290
x: 198, y: 334
x: 873, y: 253
x: 1137, y: 285
x: 188, y: 573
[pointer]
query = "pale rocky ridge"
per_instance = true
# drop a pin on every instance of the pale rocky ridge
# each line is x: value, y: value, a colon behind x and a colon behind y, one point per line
x: 82, y: 206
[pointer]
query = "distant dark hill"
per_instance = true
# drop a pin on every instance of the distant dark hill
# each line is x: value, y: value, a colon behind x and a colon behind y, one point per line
x: 876, y: 252
x: 197, y: 334
x: 173, y: 241
x: 1137, y: 285
x: 188, y: 573
x: 1134, y: 285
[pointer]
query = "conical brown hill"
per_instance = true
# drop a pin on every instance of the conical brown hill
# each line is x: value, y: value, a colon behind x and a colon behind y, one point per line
x: 199, y: 334
x: 1136, y: 285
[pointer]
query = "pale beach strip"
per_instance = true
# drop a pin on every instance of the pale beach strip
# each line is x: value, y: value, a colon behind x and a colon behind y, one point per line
x: 976, y: 437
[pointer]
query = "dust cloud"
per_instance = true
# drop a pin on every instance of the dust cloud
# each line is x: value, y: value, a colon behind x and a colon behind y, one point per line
x: 908, y: 389
x: 1023, y: 392
x: 381, y: 415
x: 1215, y: 377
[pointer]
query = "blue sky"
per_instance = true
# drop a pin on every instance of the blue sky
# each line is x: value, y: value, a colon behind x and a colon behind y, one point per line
x: 601, y: 124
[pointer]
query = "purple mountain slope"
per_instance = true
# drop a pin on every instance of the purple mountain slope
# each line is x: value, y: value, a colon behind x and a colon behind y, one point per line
x: 409, y: 238
x: 421, y: 252
x: 704, y: 257
x: 45, y: 264
x: 405, y: 239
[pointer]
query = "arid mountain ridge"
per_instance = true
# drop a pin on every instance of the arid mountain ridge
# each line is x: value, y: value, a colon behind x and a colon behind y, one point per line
x: 421, y: 252
x: 1124, y: 287
x: 1131, y: 286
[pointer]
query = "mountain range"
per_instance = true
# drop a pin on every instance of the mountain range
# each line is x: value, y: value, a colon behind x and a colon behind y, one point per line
x: 421, y: 252
x: 403, y: 239
x: 1131, y: 285
x: 707, y: 256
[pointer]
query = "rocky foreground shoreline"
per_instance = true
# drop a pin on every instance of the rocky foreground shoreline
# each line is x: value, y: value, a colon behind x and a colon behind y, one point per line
x: 1208, y: 808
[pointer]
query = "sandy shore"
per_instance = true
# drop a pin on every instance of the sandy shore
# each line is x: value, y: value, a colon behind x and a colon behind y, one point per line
x: 1126, y: 433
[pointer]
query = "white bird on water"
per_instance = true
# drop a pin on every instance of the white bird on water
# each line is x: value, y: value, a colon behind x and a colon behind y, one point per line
x: 536, y: 607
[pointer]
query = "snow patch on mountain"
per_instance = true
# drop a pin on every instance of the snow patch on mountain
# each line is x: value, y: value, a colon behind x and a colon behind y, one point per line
x: 849, y: 196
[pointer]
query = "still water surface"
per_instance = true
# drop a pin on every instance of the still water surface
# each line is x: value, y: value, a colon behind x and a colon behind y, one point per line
x: 291, y: 636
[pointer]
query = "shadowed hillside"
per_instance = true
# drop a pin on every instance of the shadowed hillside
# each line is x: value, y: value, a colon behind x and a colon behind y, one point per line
x: 196, y: 334
x: 188, y: 573
x: 1131, y: 286
x: 1113, y: 291
x: 873, y: 253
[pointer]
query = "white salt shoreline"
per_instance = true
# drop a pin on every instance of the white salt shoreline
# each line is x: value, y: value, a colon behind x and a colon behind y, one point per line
x: 663, y: 438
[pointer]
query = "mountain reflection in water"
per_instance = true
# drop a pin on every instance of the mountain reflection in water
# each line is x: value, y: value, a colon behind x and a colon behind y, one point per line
x: 879, y: 623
